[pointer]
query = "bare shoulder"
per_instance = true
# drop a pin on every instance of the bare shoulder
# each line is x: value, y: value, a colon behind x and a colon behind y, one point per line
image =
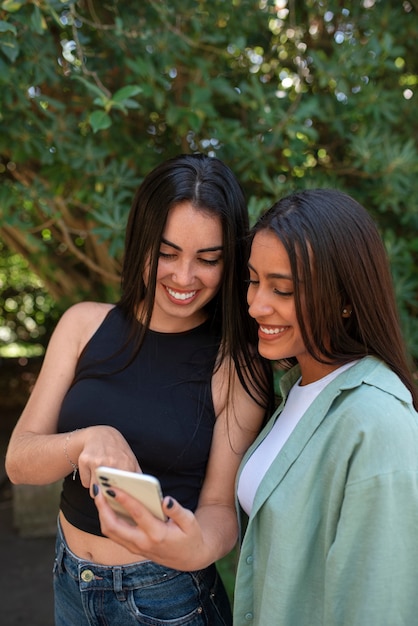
x: 233, y: 401
x: 81, y: 321
x: 87, y: 312
x: 225, y: 380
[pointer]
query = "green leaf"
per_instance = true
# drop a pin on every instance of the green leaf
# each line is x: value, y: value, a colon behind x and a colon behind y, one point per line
x: 131, y: 104
x: 101, y: 101
x: 91, y: 87
x: 100, y: 120
x: 9, y: 47
x: 38, y: 22
x: 11, y: 5
x: 126, y: 92
x: 5, y: 26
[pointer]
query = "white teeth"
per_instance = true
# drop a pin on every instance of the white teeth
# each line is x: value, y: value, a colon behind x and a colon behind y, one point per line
x: 272, y: 331
x: 181, y: 296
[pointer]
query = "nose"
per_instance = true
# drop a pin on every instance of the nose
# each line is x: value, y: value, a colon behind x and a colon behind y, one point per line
x: 183, y: 274
x: 258, y: 304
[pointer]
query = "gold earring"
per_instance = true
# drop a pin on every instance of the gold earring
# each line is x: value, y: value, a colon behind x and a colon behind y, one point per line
x: 347, y: 311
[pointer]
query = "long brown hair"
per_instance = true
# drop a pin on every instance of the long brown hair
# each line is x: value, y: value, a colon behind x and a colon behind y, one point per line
x: 339, y: 262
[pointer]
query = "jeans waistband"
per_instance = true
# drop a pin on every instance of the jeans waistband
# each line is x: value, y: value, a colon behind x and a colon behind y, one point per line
x: 92, y: 575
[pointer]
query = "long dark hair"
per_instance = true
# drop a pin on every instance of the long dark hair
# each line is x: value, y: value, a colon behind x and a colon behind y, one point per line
x: 339, y: 262
x: 210, y: 186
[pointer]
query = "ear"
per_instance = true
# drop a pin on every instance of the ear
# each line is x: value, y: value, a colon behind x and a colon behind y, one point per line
x: 347, y: 311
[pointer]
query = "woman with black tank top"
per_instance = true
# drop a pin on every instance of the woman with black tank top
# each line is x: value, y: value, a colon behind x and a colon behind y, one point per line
x: 165, y: 382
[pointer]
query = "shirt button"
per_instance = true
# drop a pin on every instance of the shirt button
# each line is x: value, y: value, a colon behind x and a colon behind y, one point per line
x: 249, y: 559
x: 248, y: 617
x: 87, y: 575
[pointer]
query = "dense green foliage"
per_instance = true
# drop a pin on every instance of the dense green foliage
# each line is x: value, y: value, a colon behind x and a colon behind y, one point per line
x: 27, y: 312
x: 290, y: 94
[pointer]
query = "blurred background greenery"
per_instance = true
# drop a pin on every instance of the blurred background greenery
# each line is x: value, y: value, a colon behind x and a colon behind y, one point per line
x: 290, y: 94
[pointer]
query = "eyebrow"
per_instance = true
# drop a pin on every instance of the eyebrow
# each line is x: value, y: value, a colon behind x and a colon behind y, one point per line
x: 211, y: 249
x: 272, y: 274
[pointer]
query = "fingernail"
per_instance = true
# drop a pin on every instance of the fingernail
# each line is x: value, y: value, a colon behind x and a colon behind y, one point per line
x: 170, y: 504
x: 110, y: 493
x: 95, y: 490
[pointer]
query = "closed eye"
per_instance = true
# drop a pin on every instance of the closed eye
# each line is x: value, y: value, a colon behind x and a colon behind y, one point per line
x: 211, y: 262
x: 166, y: 255
x: 284, y: 294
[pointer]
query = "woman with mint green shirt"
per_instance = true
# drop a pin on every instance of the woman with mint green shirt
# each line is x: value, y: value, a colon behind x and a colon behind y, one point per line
x: 331, y: 484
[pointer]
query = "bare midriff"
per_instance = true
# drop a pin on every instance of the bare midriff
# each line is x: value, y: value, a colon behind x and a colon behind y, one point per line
x: 100, y: 550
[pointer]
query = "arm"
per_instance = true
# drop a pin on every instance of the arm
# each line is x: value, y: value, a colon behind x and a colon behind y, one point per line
x: 192, y: 541
x: 37, y: 453
x: 371, y: 566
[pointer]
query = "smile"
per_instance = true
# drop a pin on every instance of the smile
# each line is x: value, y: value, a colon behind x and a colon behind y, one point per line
x: 181, y: 295
x: 272, y: 331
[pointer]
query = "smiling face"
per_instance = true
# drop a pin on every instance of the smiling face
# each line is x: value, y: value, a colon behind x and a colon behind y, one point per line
x: 272, y: 304
x: 190, y: 268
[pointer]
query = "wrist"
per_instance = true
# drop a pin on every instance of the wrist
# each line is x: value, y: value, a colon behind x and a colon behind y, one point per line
x: 74, y: 465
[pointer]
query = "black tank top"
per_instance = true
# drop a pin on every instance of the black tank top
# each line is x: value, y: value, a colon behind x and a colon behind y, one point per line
x: 161, y: 403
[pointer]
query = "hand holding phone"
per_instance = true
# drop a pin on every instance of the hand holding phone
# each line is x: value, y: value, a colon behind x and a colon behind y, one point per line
x: 143, y: 487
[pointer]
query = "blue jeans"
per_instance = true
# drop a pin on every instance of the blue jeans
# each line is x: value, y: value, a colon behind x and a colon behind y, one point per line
x: 87, y: 594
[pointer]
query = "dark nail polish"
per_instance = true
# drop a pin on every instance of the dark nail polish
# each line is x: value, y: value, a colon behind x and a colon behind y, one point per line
x: 170, y: 504
x: 95, y: 490
x: 110, y: 493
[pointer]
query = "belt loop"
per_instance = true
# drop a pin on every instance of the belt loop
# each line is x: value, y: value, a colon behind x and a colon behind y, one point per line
x: 60, y: 551
x: 118, y: 582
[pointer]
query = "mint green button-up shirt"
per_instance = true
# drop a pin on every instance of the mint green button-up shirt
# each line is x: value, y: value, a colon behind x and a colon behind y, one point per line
x: 332, y: 539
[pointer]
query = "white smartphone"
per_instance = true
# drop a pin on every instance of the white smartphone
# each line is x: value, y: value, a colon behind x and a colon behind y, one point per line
x: 143, y: 487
